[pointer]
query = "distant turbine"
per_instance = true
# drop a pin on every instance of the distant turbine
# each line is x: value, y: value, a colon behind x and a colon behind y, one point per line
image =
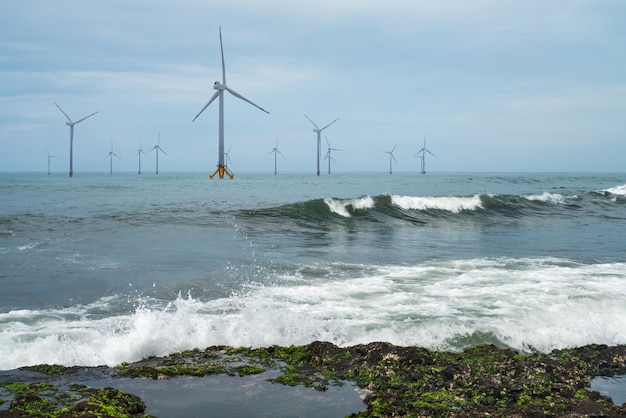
x: 71, y: 125
x: 319, y: 140
x: 49, y: 156
x: 158, y: 148
x: 328, y: 154
x: 139, y: 152
x: 220, y: 87
x: 423, y: 151
x: 391, y: 156
x: 276, y: 151
x: 110, y: 156
x: 227, y: 156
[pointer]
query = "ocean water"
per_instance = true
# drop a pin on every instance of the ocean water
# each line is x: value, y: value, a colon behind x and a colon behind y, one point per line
x: 103, y: 269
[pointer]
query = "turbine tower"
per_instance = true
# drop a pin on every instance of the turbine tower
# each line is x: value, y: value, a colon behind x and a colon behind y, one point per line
x: 328, y: 154
x: 139, y: 152
x: 158, y: 148
x: 220, y: 87
x: 110, y: 155
x: 49, y: 156
x: 319, y: 140
x: 391, y: 156
x: 423, y: 151
x: 276, y: 151
x: 71, y: 124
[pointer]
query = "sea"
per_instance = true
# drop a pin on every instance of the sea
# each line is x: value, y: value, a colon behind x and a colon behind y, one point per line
x: 101, y: 269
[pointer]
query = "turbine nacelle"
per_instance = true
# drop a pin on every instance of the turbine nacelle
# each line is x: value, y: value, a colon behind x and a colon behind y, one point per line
x: 69, y: 123
x: 219, y: 86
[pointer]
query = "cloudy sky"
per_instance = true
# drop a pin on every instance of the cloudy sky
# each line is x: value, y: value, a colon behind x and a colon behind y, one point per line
x: 528, y: 85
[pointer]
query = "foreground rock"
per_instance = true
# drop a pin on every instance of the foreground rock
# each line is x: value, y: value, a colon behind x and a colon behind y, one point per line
x: 400, y: 381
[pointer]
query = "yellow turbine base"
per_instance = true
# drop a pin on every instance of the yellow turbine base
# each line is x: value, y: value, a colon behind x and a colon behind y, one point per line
x: 221, y: 170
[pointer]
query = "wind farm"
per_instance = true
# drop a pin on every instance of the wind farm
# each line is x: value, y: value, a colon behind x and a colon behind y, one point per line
x: 224, y: 162
x: 158, y: 148
x: 219, y: 93
x: 71, y: 124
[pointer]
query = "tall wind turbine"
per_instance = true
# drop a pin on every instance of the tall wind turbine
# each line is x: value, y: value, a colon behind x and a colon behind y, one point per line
x: 328, y: 154
x: 49, y: 156
x: 71, y: 124
x: 139, y: 152
x: 391, y: 156
x: 158, y: 148
x: 220, y: 87
x: 276, y: 151
x: 110, y: 155
x: 319, y: 140
x: 423, y: 151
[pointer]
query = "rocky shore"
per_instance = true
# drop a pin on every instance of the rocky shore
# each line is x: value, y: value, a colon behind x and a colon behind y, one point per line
x: 396, y: 381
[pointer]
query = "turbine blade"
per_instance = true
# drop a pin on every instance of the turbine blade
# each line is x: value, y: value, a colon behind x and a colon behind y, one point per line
x: 312, y: 122
x: 394, y: 148
x: 68, y: 118
x: 223, y: 65
x: 281, y: 154
x: 161, y: 149
x: 117, y: 156
x: 217, y: 93
x: 329, y: 124
x: 234, y: 93
x: 431, y: 153
x: 79, y: 121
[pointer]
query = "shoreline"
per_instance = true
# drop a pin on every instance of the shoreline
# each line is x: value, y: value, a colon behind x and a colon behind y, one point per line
x: 391, y: 381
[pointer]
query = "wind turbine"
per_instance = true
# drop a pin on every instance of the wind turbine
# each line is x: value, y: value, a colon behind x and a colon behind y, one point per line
x: 158, y: 148
x: 49, y: 156
x: 276, y: 151
x: 111, y: 155
x: 227, y: 156
x: 391, y: 156
x: 423, y: 151
x: 220, y: 87
x: 319, y: 140
x: 139, y: 152
x: 328, y: 154
x: 71, y: 124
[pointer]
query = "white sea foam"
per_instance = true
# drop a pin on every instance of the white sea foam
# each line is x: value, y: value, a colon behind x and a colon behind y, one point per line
x: 340, y: 207
x: 618, y: 190
x: 540, y: 304
x: 554, y: 198
x: 448, y: 203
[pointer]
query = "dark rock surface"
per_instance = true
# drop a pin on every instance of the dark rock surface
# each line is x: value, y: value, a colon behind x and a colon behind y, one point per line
x: 398, y: 381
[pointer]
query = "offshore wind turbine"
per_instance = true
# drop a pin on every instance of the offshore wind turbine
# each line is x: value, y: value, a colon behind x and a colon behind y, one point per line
x: 227, y: 156
x: 71, y: 124
x: 139, y: 152
x: 110, y: 155
x: 49, y: 156
x: 158, y: 148
x: 276, y: 151
x: 391, y: 156
x: 328, y: 154
x: 220, y: 87
x: 423, y: 151
x: 318, y: 131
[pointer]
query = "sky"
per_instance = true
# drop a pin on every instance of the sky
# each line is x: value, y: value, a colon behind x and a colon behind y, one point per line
x: 491, y: 85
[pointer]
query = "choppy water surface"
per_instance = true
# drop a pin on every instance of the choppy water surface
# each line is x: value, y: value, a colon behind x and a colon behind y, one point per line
x: 103, y: 269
